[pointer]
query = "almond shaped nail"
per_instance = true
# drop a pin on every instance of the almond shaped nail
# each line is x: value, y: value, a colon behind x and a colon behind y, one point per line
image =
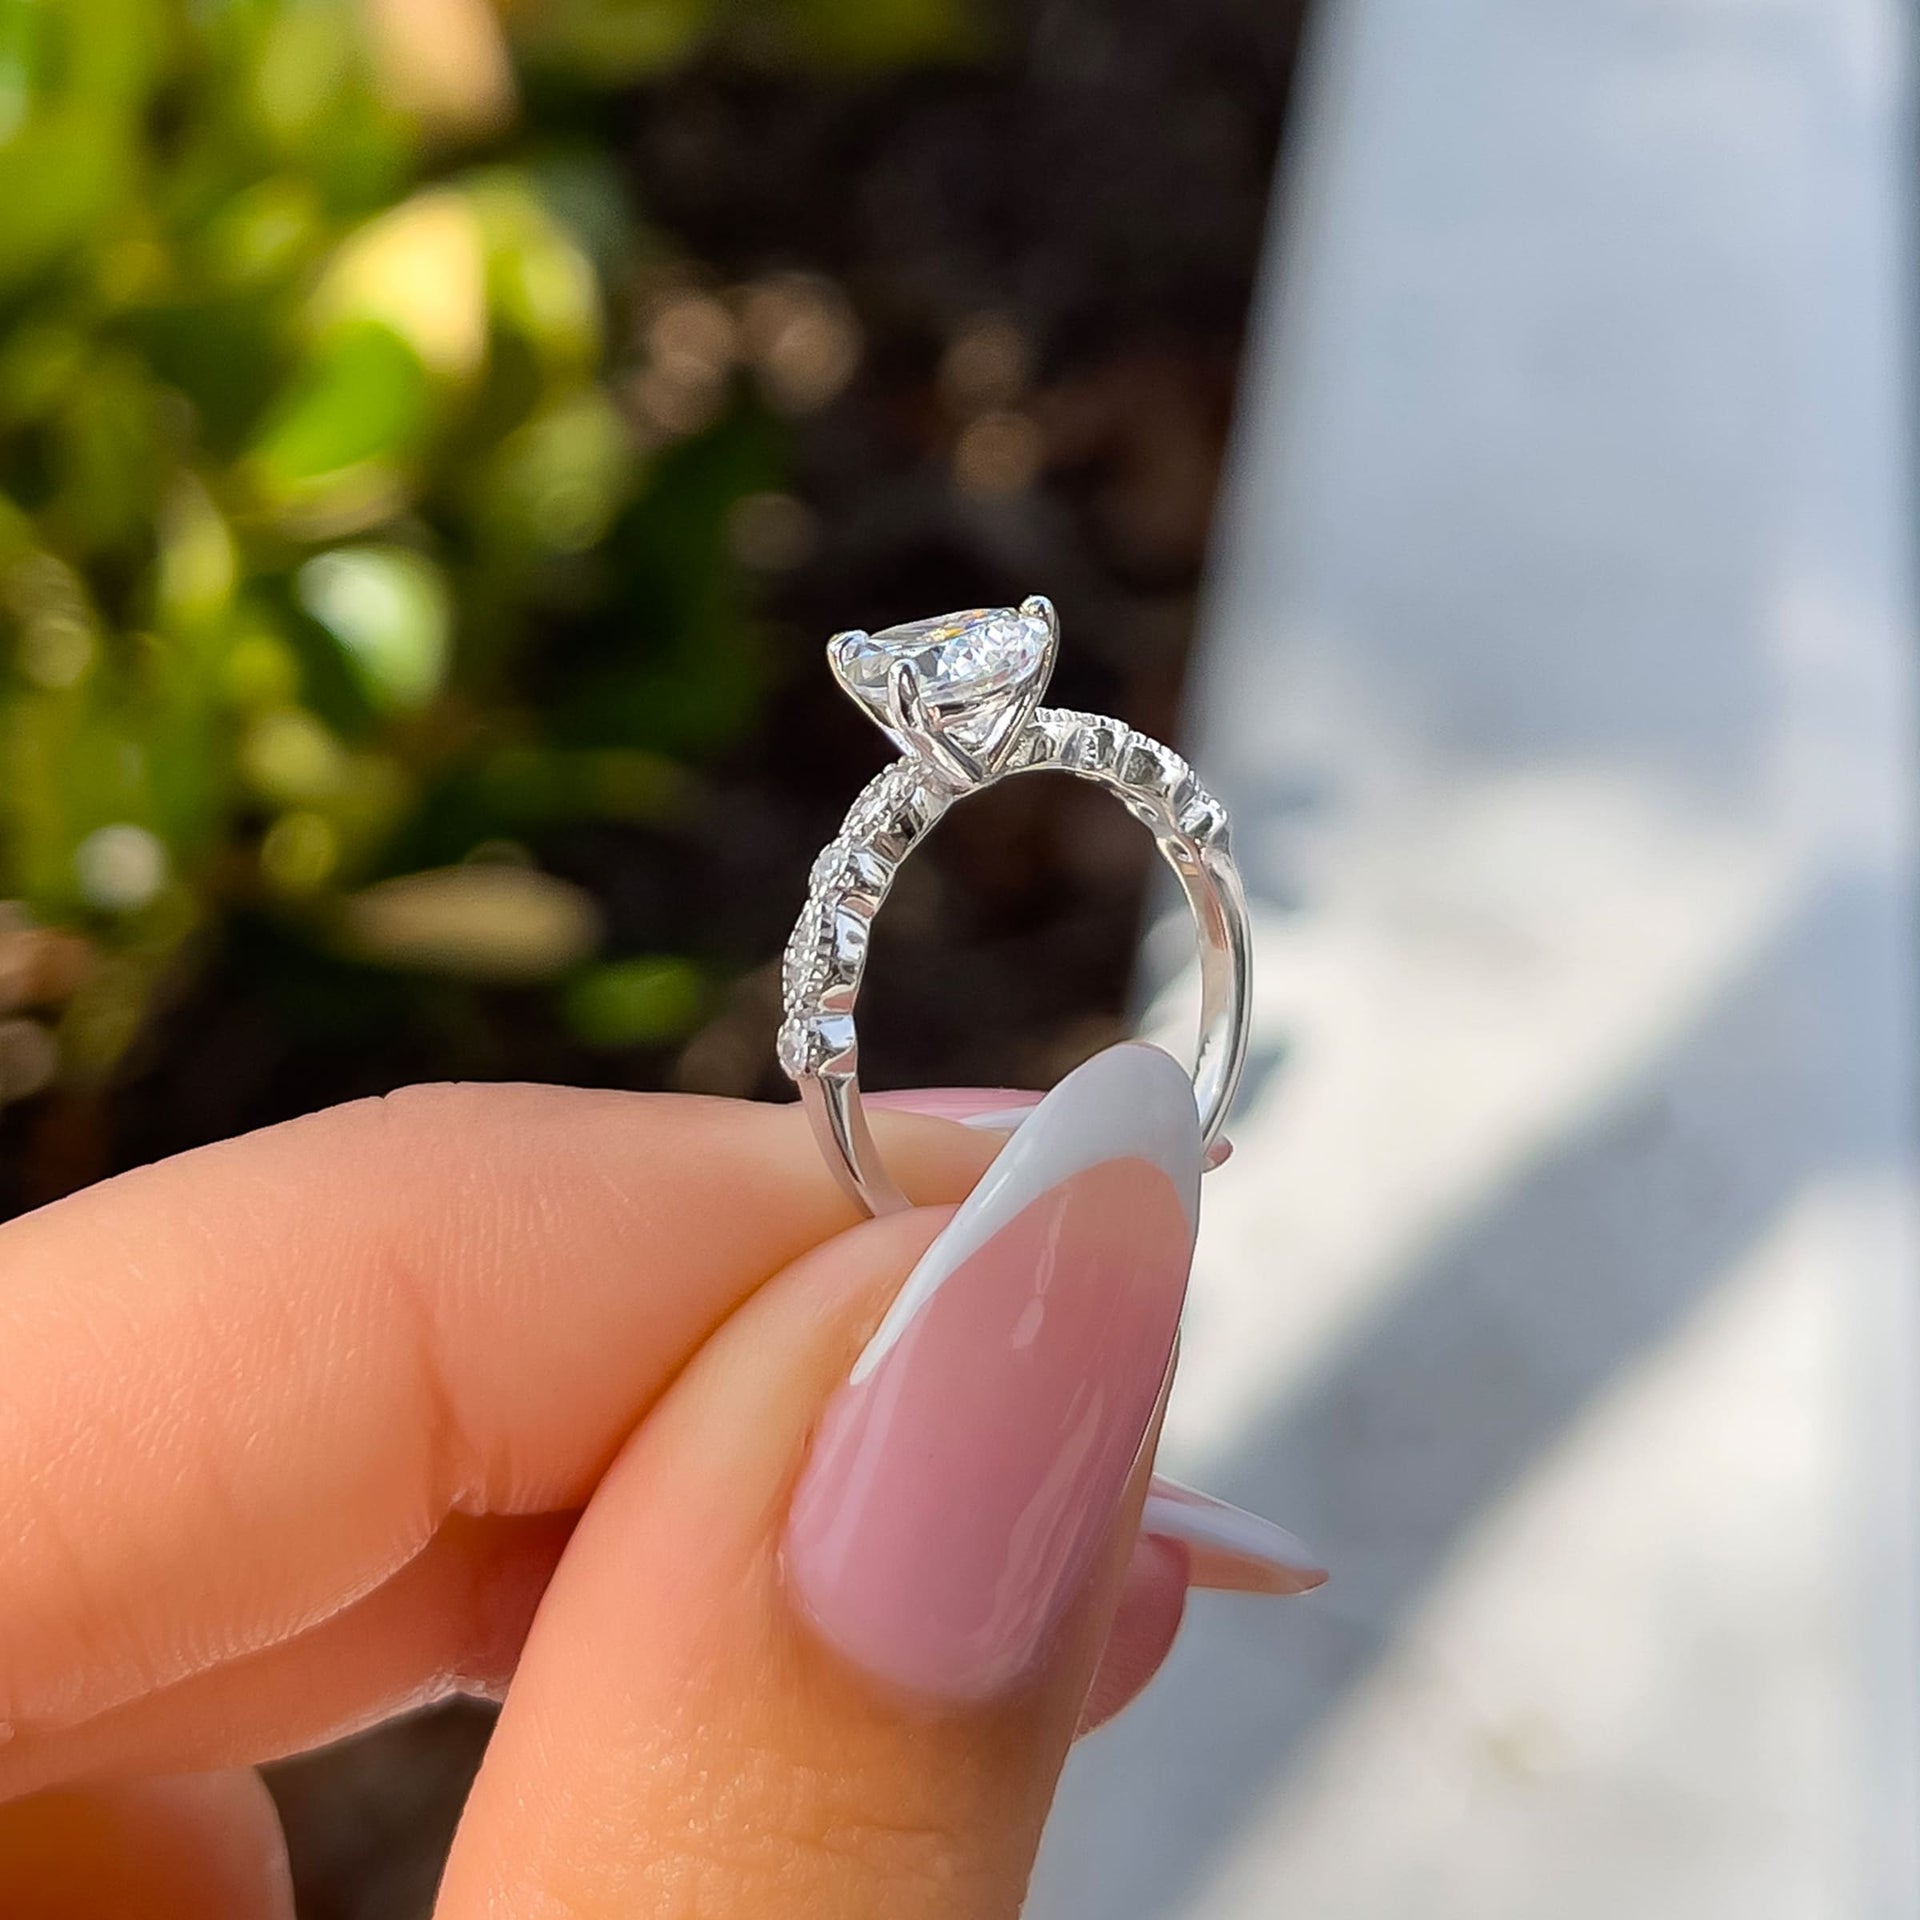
x: 992, y: 1109
x: 961, y: 1483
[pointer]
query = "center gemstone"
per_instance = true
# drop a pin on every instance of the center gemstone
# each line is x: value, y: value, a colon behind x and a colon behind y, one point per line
x: 967, y: 664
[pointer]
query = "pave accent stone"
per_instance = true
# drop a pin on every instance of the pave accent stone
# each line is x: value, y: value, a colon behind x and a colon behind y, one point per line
x: 820, y: 976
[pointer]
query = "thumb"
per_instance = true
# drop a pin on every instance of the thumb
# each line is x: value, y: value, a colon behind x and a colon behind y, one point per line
x: 820, y: 1643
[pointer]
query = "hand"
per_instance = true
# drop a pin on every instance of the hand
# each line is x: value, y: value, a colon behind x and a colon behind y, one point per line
x: 473, y: 1384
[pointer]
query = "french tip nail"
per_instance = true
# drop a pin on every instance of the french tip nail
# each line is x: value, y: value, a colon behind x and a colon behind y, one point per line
x: 1228, y: 1548
x: 961, y: 1481
x: 1001, y: 1119
x: 991, y: 1109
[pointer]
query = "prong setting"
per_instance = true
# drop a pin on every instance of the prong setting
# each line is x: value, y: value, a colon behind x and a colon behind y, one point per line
x: 827, y: 954
x: 1013, y: 723
x: 843, y: 646
x: 919, y: 726
x: 1036, y: 606
x: 975, y: 681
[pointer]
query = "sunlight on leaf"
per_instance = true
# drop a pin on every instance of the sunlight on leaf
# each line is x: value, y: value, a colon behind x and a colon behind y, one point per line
x: 420, y: 271
x: 389, y: 611
x: 336, y: 448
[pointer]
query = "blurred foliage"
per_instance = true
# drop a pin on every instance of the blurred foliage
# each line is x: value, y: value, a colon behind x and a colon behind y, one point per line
x: 373, y: 489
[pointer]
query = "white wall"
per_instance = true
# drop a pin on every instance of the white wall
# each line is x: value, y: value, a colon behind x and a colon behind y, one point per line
x: 1561, y: 1290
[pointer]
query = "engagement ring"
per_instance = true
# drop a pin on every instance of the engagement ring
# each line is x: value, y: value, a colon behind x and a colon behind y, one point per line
x: 959, y: 695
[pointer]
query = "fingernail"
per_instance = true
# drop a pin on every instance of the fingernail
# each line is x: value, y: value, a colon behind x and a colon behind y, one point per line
x: 998, y: 1108
x: 963, y: 1480
x: 1227, y: 1547
x: 994, y: 1109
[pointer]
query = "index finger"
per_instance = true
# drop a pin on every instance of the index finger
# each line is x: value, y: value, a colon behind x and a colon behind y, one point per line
x: 242, y: 1388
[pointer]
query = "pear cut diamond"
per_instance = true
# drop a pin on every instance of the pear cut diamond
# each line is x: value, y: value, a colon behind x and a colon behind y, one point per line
x: 968, y: 666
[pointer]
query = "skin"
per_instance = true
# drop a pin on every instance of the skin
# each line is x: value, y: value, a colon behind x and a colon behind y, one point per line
x: 470, y: 1386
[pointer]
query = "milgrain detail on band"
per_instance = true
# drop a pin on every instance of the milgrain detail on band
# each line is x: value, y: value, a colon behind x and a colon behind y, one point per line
x: 820, y: 977
x: 958, y: 695
x: 1131, y: 1102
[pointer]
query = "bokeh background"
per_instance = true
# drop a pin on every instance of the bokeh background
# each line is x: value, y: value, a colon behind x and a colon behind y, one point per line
x: 435, y: 443
x: 435, y: 440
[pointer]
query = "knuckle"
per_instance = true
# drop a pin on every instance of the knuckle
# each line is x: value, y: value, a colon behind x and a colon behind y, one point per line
x: 815, y: 1843
x: 837, y: 1832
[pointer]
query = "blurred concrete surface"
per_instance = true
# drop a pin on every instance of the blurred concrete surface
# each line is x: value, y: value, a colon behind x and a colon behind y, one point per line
x: 1562, y: 1288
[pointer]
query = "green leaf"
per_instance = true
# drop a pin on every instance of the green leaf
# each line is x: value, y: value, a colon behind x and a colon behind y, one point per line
x: 354, y: 418
x: 876, y: 33
x: 73, y: 80
x: 264, y: 233
x: 59, y: 178
x: 228, y: 354
x: 556, y: 483
x: 540, y: 283
x: 420, y: 269
x: 303, y: 66
x: 529, y: 785
x: 389, y: 611
x: 39, y: 361
x: 71, y: 769
x: 197, y: 561
x: 634, y: 1003
x: 108, y: 455
x: 616, y: 41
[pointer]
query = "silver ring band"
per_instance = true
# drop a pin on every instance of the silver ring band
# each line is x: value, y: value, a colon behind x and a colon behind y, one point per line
x: 826, y: 956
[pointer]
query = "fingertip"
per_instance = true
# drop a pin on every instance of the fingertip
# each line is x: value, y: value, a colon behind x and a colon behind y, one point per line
x: 1153, y: 1601
x: 333, y: 1333
x: 177, y: 1847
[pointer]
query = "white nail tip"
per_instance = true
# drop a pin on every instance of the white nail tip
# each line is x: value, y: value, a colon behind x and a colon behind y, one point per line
x: 1131, y: 1102
x: 1012, y: 1119
x: 1229, y: 1547
x: 1002, y: 1120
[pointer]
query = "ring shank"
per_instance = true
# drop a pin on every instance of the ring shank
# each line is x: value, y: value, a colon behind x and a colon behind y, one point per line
x: 826, y: 957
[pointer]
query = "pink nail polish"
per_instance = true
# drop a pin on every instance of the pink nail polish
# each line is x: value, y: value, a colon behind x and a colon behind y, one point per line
x: 1003, y: 1107
x: 962, y: 1482
x: 999, y: 1109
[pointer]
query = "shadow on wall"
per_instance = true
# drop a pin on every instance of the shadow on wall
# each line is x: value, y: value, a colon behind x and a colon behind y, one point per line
x: 1587, y: 1262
